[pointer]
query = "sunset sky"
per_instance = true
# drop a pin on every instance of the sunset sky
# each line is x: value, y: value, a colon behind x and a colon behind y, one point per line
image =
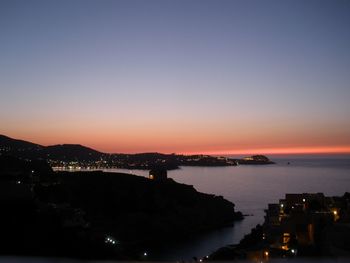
x: 177, y: 76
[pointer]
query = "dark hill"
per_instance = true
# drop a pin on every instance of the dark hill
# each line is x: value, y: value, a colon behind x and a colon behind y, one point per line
x: 72, y: 152
x: 63, y: 152
x: 10, y: 143
x: 20, y: 148
x: 46, y: 213
x: 137, y: 210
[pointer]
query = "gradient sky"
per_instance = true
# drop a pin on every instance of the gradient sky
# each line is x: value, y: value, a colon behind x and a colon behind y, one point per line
x: 177, y: 76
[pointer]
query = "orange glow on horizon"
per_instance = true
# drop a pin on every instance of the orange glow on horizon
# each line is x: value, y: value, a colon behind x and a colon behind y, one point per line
x: 291, y: 150
x: 134, y: 142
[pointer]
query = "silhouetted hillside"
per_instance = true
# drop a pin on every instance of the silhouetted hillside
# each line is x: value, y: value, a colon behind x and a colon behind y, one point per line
x: 138, y: 210
x: 46, y: 213
x: 20, y: 148
x: 17, y: 144
x: 14, y: 169
x: 74, y: 155
x: 63, y: 152
x: 71, y: 152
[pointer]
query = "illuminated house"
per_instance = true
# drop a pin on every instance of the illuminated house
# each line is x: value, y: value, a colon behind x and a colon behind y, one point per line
x: 158, y: 174
x: 294, y: 220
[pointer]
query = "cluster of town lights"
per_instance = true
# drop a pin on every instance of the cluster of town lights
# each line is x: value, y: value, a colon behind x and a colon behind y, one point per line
x: 201, y: 260
x: 110, y: 240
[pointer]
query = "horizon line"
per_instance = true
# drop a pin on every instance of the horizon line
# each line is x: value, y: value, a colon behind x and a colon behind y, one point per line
x: 280, y: 151
x: 322, y: 150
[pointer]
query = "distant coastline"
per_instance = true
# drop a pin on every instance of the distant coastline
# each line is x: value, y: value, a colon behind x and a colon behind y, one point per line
x: 76, y: 157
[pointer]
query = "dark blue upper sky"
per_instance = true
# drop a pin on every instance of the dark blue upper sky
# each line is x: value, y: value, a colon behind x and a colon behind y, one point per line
x: 176, y: 75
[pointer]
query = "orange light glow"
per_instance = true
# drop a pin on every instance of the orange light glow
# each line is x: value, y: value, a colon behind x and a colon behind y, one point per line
x: 133, y: 140
x: 299, y: 150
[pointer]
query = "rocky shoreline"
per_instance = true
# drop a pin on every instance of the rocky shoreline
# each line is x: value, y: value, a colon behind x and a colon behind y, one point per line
x: 98, y: 215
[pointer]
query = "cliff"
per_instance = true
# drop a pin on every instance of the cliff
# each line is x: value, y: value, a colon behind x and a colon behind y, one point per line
x: 98, y: 215
x: 138, y: 210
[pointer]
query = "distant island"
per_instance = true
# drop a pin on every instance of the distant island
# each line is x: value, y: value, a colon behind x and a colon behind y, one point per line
x: 98, y: 215
x: 74, y: 156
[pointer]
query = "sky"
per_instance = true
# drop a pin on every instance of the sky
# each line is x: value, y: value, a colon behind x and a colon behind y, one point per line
x: 177, y: 76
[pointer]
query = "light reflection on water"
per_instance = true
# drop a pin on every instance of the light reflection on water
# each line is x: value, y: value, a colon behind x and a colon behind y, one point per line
x: 251, y: 188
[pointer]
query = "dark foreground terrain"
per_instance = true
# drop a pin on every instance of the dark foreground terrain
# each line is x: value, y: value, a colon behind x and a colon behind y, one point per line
x: 98, y: 215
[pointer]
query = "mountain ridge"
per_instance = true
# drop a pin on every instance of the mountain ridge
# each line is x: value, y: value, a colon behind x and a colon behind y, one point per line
x: 8, y: 141
x: 29, y: 150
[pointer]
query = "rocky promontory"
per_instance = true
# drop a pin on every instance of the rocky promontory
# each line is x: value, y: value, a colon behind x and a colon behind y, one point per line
x: 138, y: 209
x: 97, y: 214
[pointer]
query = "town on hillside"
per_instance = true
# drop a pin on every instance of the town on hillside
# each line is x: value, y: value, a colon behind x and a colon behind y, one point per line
x: 299, y: 225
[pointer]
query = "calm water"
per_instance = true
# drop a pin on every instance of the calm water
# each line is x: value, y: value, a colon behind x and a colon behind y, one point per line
x: 251, y: 188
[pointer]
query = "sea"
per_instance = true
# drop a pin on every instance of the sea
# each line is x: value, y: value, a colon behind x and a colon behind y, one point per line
x: 251, y: 188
